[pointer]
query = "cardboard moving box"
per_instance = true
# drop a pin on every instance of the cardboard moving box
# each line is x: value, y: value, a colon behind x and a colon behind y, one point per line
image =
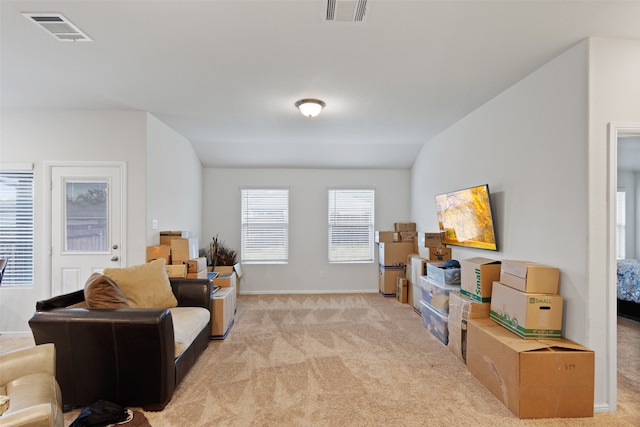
x: 388, y: 279
x: 176, y: 271
x: 167, y: 236
x: 416, y: 267
x: 184, y: 250
x: 226, y: 276
x: 395, y: 254
x: 526, y: 314
x: 404, y: 226
x: 196, y: 265
x: 435, y: 254
x: 430, y: 240
x: 223, y: 304
x: 477, y: 277
x: 461, y: 309
x: 530, y: 277
x: 402, y: 290
x: 385, y: 237
x: 157, y: 252
x: 533, y: 378
x: 416, y: 297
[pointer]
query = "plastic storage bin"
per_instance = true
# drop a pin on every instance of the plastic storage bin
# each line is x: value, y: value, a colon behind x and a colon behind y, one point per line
x: 436, y: 322
x: 446, y: 276
x: 437, y: 294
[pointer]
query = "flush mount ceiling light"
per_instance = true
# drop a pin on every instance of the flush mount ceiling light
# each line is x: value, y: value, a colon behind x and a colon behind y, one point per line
x: 310, y: 107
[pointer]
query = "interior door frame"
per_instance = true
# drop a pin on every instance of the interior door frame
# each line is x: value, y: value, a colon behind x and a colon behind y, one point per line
x: 616, y: 130
x: 122, y: 216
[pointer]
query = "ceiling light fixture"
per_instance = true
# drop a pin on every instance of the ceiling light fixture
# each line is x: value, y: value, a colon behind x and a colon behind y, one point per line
x: 310, y: 107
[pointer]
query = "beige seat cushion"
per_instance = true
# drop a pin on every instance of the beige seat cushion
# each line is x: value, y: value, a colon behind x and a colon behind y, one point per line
x: 144, y: 285
x: 32, y: 390
x: 187, y: 324
x: 101, y: 291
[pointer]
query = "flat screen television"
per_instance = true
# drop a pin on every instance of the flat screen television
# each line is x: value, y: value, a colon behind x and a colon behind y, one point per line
x: 465, y: 218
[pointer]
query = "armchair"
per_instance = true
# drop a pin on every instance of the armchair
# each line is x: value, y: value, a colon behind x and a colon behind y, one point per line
x: 28, y: 377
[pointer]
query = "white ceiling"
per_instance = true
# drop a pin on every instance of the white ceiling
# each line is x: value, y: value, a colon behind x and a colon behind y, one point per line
x: 226, y: 74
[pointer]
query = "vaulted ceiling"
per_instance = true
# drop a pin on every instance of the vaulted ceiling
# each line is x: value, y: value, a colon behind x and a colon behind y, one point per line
x: 226, y: 74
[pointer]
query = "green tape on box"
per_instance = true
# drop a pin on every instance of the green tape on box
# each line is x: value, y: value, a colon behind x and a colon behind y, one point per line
x: 475, y: 297
x: 512, y: 325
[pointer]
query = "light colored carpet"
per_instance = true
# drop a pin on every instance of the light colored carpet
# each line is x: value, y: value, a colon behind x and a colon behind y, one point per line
x: 352, y: 360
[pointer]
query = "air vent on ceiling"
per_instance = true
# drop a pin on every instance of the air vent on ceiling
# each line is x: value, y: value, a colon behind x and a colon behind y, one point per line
x: 346, y: 10
x: 58, y: 26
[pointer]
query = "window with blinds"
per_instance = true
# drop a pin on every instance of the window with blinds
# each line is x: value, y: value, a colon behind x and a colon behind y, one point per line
x: 351, y: 222
x: 265, y: 226
x: 16, y: 223
x: 621, y: 224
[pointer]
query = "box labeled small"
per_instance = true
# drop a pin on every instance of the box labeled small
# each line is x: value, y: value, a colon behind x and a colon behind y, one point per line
x: 528, y: 315
x: 477, y: 277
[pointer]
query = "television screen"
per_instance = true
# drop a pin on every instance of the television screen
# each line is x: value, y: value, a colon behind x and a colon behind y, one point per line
x: 465, y: 218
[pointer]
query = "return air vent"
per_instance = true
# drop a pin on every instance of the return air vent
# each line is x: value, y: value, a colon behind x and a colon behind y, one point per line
x: 58, y: 26
x: 346, y: 10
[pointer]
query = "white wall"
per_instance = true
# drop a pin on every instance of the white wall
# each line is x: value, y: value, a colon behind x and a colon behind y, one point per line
x: 74, y: 136
x: 308, y: 216
x: 542, y: 147
x: 45, y: 136
x: 530, y: 145
x: 174, y: 183
x: 614, y: 97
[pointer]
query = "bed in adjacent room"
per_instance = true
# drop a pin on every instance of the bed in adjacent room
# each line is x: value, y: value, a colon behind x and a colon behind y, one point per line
x: 629, y: 288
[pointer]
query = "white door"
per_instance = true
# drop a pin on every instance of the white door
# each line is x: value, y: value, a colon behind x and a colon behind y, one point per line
x: 86, y: 223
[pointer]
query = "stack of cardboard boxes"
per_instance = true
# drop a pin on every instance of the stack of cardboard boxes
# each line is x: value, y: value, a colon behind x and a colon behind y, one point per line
x: 394, y: 248
x: 181, y: 254
x: 526, y: 300
x: 506, y: 324
x: 223, y: 301
x: 430, y: 248
x: 182, y: 261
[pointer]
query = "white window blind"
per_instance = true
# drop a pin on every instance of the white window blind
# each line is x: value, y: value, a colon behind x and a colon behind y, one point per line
x: 621, y: 224
x: 265, y: 226
x: 351, y: 221
x: 16, y: 224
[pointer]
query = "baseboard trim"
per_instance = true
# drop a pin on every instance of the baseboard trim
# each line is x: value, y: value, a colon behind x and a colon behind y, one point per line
x: 309, y: 292
x: 601, y: 407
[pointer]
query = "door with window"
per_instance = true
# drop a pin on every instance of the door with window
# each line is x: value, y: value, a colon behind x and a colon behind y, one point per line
x: 86, y: 223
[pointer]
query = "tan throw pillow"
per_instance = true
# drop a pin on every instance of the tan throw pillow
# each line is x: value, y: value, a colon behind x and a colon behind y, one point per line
x: 102, y: 292
x: 144, y: 285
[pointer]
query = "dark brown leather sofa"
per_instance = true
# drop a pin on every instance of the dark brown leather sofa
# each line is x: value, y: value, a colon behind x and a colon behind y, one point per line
x: 123, y: 355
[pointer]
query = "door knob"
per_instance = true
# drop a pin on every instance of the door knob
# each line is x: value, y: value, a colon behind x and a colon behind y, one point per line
x: 114, y: 258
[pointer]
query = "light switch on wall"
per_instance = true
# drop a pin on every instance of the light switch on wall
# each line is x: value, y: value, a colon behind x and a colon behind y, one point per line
x: 154, y: 224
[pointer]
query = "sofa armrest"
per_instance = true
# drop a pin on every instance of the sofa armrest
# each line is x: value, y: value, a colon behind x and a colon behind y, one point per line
x: 192, y: 292
x: 61, y: 301
x: 32, y: 360
x: 120, y: 355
